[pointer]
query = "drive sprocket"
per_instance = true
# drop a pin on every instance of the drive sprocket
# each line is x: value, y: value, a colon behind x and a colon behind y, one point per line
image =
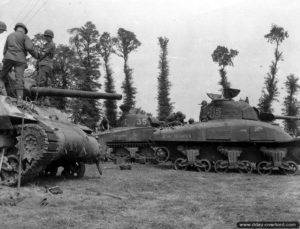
x: 38, y: 147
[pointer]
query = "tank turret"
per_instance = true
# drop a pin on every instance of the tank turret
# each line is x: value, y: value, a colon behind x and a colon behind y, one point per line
x: 224, y: 107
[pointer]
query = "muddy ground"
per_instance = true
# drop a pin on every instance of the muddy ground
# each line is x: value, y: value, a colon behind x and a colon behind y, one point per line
x: 155, y: 197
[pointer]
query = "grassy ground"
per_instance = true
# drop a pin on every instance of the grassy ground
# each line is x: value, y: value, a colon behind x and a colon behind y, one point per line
x: 155, y: 197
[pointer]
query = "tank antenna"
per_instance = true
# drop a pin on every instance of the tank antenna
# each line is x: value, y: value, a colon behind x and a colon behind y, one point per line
x: 20, y: 156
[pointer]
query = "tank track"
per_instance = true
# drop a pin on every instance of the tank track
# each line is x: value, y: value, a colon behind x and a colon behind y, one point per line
x: 40, y: 147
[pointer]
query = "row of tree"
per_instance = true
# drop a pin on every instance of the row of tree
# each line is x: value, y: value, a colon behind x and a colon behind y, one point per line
x: 270, y: 92
x: 76, y: 66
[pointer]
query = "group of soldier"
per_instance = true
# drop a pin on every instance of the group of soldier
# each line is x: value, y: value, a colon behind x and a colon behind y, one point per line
x: 16, y: 47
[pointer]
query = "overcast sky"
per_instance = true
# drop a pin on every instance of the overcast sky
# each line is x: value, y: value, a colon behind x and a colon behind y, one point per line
x: 194, y: 27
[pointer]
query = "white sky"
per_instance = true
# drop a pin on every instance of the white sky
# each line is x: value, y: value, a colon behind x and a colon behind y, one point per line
x: 195, y: 28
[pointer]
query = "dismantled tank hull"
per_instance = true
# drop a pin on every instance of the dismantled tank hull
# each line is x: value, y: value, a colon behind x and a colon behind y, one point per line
x: 45, y: 138
x: 233, y: 135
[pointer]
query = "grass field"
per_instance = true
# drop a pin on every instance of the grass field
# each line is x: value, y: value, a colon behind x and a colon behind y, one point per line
x: 155, y: 197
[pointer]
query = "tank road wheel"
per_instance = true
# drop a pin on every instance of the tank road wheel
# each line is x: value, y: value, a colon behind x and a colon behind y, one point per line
x: 289, y: 167
x: 180, y: 164
x: 221, y: 166
x: 264, y: 168
x: 162, y: 154
x: 203, y: 165
x: 121, y: 154
x: 245, y: 167
x: 75, y: 170
x: 146, y: 153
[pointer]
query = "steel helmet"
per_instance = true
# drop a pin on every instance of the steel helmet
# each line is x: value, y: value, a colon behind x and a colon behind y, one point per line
x: 49, y: 33
x: 204, y: 103
x: 3, y: 26
x: 21, y: 25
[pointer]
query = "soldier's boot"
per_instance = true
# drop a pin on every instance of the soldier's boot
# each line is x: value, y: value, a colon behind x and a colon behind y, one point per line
x: 2, y: 88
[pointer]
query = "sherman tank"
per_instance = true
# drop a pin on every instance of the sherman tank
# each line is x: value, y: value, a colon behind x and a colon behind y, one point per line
x: 133, y: 139
x: 231, y: 135
x: 44, y: 137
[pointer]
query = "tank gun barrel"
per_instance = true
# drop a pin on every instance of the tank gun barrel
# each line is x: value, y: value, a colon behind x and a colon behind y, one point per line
x: 44, y: 91
x: 269, y: 117
x: 286, y: 117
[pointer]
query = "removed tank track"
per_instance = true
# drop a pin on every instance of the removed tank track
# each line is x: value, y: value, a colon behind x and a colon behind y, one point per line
x: 40, y: 147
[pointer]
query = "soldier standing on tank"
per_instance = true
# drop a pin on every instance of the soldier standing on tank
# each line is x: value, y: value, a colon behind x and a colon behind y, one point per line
x: 45, y: 63
x: 203, y: 111
x: 2, y: 27
x: 15, y: 51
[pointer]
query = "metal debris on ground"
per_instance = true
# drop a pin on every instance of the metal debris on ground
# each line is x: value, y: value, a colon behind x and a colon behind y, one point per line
x: 125, y: 167
x: 54, y: 190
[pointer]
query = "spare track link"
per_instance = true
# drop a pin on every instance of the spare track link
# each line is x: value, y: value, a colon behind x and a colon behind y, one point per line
x: 48, y: 151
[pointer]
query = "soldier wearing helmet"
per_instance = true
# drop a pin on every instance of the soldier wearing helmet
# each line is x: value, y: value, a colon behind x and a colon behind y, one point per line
x: 2, y: 27
x: 16, y: 47
x: 203, y: 111
x: 45, y: 62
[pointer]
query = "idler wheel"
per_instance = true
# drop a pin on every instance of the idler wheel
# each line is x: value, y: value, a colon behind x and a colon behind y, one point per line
x: 221, y: 166
x: 203, y: 165
x: 264, y: 168
x: 245, y: 167
x: 180, y: 164
x: 289, y: 167
x: 162, y: 154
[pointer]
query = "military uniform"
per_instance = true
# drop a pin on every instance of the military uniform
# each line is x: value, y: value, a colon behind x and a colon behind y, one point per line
x: 46, y: 65
x: 203, y: 117
x: 15, y: 51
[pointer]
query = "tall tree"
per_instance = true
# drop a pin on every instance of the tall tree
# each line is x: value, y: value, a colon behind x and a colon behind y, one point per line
x: 62, y: 74
x: 106, y: 48
x: 270, y: 91
x: 224, y: 58
x: 291, y: 107
x: 127, y: 42
x: 165, y: 106
x: 84, y: 40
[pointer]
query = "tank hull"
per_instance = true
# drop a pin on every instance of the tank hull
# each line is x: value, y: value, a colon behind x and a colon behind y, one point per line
x: 232, y: 143
x: 45, y: 139
x: 223, y: 131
